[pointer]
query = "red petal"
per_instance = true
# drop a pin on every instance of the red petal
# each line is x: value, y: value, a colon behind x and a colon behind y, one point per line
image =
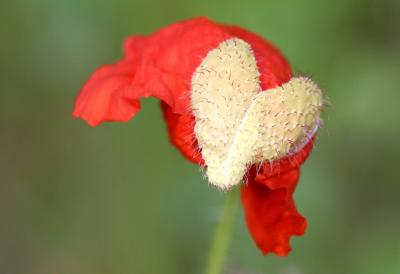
x: 270, y: 212
x: 160, y: 65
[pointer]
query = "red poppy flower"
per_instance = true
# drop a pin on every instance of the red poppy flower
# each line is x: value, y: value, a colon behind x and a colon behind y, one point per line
x: 230, y: 104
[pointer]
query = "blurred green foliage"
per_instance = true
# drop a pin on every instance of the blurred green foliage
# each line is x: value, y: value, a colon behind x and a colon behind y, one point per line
x: 120, y: 199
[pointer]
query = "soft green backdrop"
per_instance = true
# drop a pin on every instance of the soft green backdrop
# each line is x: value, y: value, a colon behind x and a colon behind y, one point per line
x: 119, y: 199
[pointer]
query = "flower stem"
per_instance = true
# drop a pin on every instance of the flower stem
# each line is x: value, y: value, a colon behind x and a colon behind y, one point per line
x: 222, y: 234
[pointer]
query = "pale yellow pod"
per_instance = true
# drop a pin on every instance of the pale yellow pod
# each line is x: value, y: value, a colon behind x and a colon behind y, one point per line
x: 237, y: 124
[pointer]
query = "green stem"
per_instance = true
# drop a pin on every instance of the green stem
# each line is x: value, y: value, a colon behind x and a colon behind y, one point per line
x: 222, y: 234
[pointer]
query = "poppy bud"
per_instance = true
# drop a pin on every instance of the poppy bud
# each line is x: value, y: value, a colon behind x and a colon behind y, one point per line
x: 230, y: 104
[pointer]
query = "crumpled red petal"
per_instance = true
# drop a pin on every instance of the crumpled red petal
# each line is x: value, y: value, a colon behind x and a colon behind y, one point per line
x: 270, y: 212
x: 267, y: 198
x: 159, y: 65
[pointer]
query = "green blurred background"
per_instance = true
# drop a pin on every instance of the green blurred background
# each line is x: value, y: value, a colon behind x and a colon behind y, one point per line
x: 120, y: 199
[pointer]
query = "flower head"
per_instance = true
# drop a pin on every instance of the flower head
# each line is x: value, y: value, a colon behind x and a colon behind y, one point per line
x: 230, y: 104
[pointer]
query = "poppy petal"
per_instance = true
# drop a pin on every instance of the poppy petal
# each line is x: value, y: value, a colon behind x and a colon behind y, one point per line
x: 159, y: 65
x: 270, y: 212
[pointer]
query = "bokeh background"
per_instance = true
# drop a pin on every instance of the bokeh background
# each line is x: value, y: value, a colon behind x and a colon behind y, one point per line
x: 120, y: 199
